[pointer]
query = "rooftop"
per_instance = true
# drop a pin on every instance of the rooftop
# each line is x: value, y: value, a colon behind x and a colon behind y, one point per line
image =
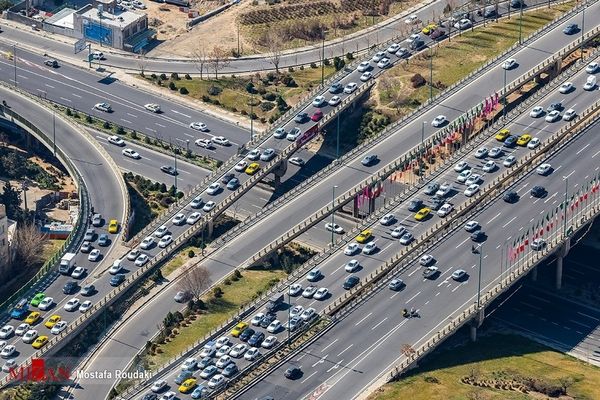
x: 119, y: 19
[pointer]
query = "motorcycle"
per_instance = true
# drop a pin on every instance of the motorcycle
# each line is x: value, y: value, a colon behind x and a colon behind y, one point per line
x: 410, y: 314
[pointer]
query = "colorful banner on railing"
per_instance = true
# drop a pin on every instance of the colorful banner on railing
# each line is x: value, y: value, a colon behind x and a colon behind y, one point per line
x: 308, y: 135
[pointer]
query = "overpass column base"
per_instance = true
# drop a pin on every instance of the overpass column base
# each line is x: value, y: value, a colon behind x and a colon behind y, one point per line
x: 355, y: 209
x: 277, y: 181
x: 210, y: 227
x: 473, y: 331
x: 534, y: 274
x: 559, y: 271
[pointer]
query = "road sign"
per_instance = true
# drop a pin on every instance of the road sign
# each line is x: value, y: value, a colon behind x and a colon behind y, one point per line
x: 80, y: 45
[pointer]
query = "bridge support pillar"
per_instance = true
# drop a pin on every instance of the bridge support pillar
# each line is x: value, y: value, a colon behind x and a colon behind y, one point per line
x: 561, y: 254
x: 534, y: 274
x: 277, y: 181
x: 279, y: 171
x: 355, y: 209
x: 209, y: 228
x: 473, y: 328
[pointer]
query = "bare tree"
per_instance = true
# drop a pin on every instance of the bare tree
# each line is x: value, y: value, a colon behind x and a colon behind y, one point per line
x: 274, y: 46
x: 142, y: 62
x: 28, y: 242
x: 398, y: 100
x: 195, y: 281
x: 218, y: 59
x: 200, y: 57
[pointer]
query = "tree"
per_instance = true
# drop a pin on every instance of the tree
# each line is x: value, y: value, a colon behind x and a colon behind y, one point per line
x: 11, y: 198
x: 274, y: 45
x: 28, y: 242
x: 195, y: 281
x: 200, y: 57
x: 218, y: 59
x: 142, y: 62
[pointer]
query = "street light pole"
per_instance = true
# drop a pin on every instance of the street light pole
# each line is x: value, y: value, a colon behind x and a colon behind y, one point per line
x: 478, y: 250
x: 332, y: 213
x: 251, y: 113
x: 337, y: 139
x: 54, y: 132
x: 423, y: 133
x: 582, y: 30
x: 565, y: 215
x: 289, y: 310
x: 175, y: 156
x: 504, y: 97
x: 520, y: 23
x: 15, y: 61
x: 323, y: 59
x: 430, y: 74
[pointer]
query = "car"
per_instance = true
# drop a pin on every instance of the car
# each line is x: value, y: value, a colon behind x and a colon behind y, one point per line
x: 295, y: 289
x: 187, y: 386
x: 350, y: 88
x: 445, y: 210
x: 370, y: 248
x: 22, y: 328
x: 396, y: 284
x: 93, y: 256
x: 592, y: 67
x: 252, y: 354
x: 510, y: 141
x: 296, y: 311
x: 407, y: 238
x: 544, y: 169
x: 193, y: 218
x: 463, y: 24
x: 536, y: 112
x: 178, y: 219
x: 267, y: 154
x: 152, y: 107
x: 533, y: 143
x: 222, y: 351
x: 230, y: 370
x: 115, y: 268
x: 308, y: 314
x: 165, y: 241
x: 79, y: 272
x: 279, y: 133
x: 256, y: 339
x: 398, y: 232
x: 267, y: 319
x: 72, y: 305
x: 181, y: 296
x: 131, y: 153
x: 335, y: 87
x: 428, y: 30
x: 213, y: 188
x: 503, y: 134
x: 216, y: 382
x: 439, y: 121
x: 199, y: 392
x: 566, y: 87
x: 317, y: 115
x: 333, y: 227
x: 9, y: 365
x: 160, y: 232
x: 98, y: 55
x: 334, y: 101
x: 474, y: 178
x: 366, y: 76
x: 459, y: 274
x: 570, y: 29
x: 471, y: 226
x: 378, y: 56
x: 489, y: 12
x: 431, y: 188
x: 199, y: 126
x: 321, y: 293
x: 117, y: 141
x: 33, y: 317
x: 269, y: 342
x: 461, y: 166
x: 481, y: 152
x: 443, y: 190
x: 350, y: 282
x: 403, y: 52
x: 438, y: 34
x: 301, y: 118
x: 103, y: 239
x: 209, y: 205
x: 363, y: 66
x: 412, y: 19
x: 364, y: 236
x: 538, y: 244
x: 489, y: 166
x: 253, y: 155
x: 393, y: 48
x: 369, y: 160
x: 314, y: 275
x: 293, y: 134
x: 8, y: 351
x: 222, y: 341
x: 7, y: 331
x: 168, y: 396
x: 252, y: 168
x: 221, y: 140
x: 46, y: 303
x: 30, y: 336
x: 182, y: 376
x: 471, y: 190
x: 147, y: 243
x: 223, y: 361
x: 141, y: 260
x: 351, y: 249
x: 415, y: 205
x: 517, y: 3
x: 97, y: 220
x: 51, y: 63
x: 510, y: 161
x: 422, y: 213
x: 511, y: 196
x: 257, y: 318
x: 495, y: 152
x: 555, y: 106
x: 70, y: 287
x: 553, y: 116
x: 590, y: 83
x: 103, y: 107
x: 59, y: 327
x: 196, y: 202
x: 90, y: 235
x: 117, y: 279
x: 538, y: 191
x: 39, y: 342
x: 463, y: 176
x: 169, y: 169
x: 238, y: 350
x: 384, y: 63
x: 37, y: 299
x: 509, y: 64
x: 430, y: 272
x: 238, y: 329
x: 569, y: 114
x: 293, y: 373
x: 88, y: 290
x: 86, y: 305
x: 309, y: 291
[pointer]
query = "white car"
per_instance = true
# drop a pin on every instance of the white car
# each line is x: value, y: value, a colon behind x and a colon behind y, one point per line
x: 351, y: 87
x: 193, y: 218
x: 473, y: 179
x: 369, y: 248
x: 94, y: 255
x: 538, y: 244
x: 30, y: 336
x: 295, y: 289
x: 413, y: 37
x: 296, y: 311
x: 543, y: 169
x: 592, y: 67
x: 378, y: 56
x: 189, y: 364
x: 334, y: 101
x: 78, y: 272
x: 241, y: 166
x: 406, y: 238
x: 351, y: 249
x: 387, y: 219
x: 536, y: 112
x: 141, y: 260
x: 471, y: 226
x: 22, y: 328
x: 553, y: 116
x: 308, y: 314
x: 158, y: 386
x: 489, y: 166
x: 7, y: 331
x: 495, y: 152
x: 196, y: 202
x: 444, y: 190
x: 213, y: 188
x: 72, y: 304
x: 147, y: 243
x: 439, y: 121
x: 394, y: 47
x: 412, y: 19
x: 46, y: 304
x: 334, y: 228
x: 366, y: 76
x: 509, y: 64
x: 461, y: 166
x: 257, y: 318
x: 363, y: 66
x: 220, y: 140
x: 269, y: 342
x: 178, y: 219
x: 131, y: 153
x: 481, y: 152
x: 199, y: 126
x: 510, y: 161
x: 384, y: 63
x: 152, y: 107
x: 463, y: 176
x: 8, y: 351
x: 590, y: 83
x: 223, y: 351
x: 238, y: 350
x: 205, y: 143
x: 253, y: 155
x: 98, y: 55
x: 463, y: 24
x: 533, y: 143
x: 165, y: 241
x: 314, y: 275
x: 352, y: 265
x: 115, y: 268
x: 251, y: 354
x: 216, y: 381
x: 426, y: 259
x: 168, y: 396
x: 9, y: 365
x: 569, y: 114
x: 398, y: 232
x: 274, y: 326
x: 209, y: 205
x: 566, y: 87
x: 296, y: 161
x: 117, y: 141
x: 459, y: 274
x: 103, y: 107
x: 59, y: 327
x: 445, y: 210
x: 321, y: 294
x: 160, y: 232
x: 86, y: 305
x: 471, y: 190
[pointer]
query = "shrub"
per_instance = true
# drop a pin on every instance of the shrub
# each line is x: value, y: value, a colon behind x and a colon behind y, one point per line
x: 175, y: 76
x: 216, y: 102
x: 206, y: 99
x: 289, y: 81
x: 214, y: 90
x: 338, y: 63
x: 349, y: 56
x: 302, y: 68
x: 250, y: 87
x: 163, y: 77
x: 227, y: 282
x: 153, y: 76
x: 327, y: 62
x: 106, y: 125
x: 269, y: 96
x: 147, y: 139
x: 313, y: 65
x: 237, y: 274
x: 417, y: 80
x: 68, y: 112
x: 188, y: 77
x: 89, y: 119
x: 261, y: 90
x: 134, y: 135
x: 172, y: 85
x: 253, y: 116
x: 267, y: 106
x: 291, y: 69
x: 120, y: 130
x: 244, y: 112
x: 217, y: 292
x: 191, y: 254
x: 183, y: 90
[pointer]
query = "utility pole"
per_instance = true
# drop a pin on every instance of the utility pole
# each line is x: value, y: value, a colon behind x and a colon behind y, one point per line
x: 54, y: 132
x: 430, y: 74
x: 251, y: 113
x: 337, y: 141
x: 15, y: 61
x: 582, y: 30
x: 504, y: 97
x: 566, y: 204
x: 323, y: 59
x: 332, y: 213
x: 423, y: 133
x: 478, y: 250
x: 520, y: 23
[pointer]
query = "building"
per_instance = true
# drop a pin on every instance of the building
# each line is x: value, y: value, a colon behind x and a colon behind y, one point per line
x: 4, y: 250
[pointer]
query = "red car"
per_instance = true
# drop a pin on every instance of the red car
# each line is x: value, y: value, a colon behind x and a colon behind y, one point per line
x: 317, y: 115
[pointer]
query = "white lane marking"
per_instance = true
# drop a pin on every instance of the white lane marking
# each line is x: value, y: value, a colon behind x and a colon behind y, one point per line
x: 321, y: 361
x: 508, y: 223
x: 530, y: 305
x: 382, y: 321
x: 335, y: 365
x: 493, y: 218
x: 330, y: 344
x: 126, y: 121
x: 346, y: 349
x: 461, y: 243
x: 579, y: 323
x: 533, y: 296
x: 132, y: 115
x: 180, y: 113
x: 76, y: 95
x: 151, y: 130
x: 50, y: 86
x: 412, y: 298
x: 596, y: 153
x: 394, y: 295
x: 62, y: 98
x: 566, y: 177
x: 583, y: 148
x: 308, y: 377
x: 523, y: 187
x: 549, y: 198
x: 365, y: 317
x: 587, y: 315
x: 161, y: 125
x: 23, y: 76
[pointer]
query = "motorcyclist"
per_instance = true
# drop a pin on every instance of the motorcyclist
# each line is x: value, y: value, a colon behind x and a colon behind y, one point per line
x: 405, y: 312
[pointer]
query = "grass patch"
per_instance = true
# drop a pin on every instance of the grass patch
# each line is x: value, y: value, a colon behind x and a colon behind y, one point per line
x: 51, y: 247
x: 242, y: 291
x: 507, y: 359
x: 174, y: 263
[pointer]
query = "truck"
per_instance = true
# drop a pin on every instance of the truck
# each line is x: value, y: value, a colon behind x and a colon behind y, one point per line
x: 20, y: 310
x: 66, y: 263
x: 274, y: 302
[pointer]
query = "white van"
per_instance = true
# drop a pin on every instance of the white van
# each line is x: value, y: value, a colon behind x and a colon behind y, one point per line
x: 590, y: 84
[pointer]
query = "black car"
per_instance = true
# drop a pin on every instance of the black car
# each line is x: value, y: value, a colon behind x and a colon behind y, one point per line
x: 183, y: 375
x: 267, y: 319
x: 351, y: 281
x: 337, y: 87
x: 436, y: 203
x: 117, y: 279
x: 88, y: 290
x: 571, y: 29
x: 369, y: 160
x: 511, y: 197
x: 432, y: 188
x: 70, y: 287
x: 256, y: 339
x: 489, y: 12
x: 516, y: 3
x: 292, y: 373
x: 301, y: 118
x: 554, y: 106
x: 150, y: 396
x: 477, y: 236
x: 51, y: 63
x: 246, y: 334
x: 205, y: 362
x: 227, y: 177
x: 538, y: 191
x: 415, y: 205
x: 230, y: 370
x: 169, y: 169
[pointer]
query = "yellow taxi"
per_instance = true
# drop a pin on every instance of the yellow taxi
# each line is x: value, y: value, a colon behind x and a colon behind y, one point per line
x: 524, y: 139
x: 52, y: 321
x: 502, y: 135
x: 429, y: 29
x: 39, y: 342
x: 32, y: 318
x: 113, y: 226
x: 422, y: 213
x: 238, y: 329
x: 252, y: 168
x: 187, y: 385
x: 364, y: 236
